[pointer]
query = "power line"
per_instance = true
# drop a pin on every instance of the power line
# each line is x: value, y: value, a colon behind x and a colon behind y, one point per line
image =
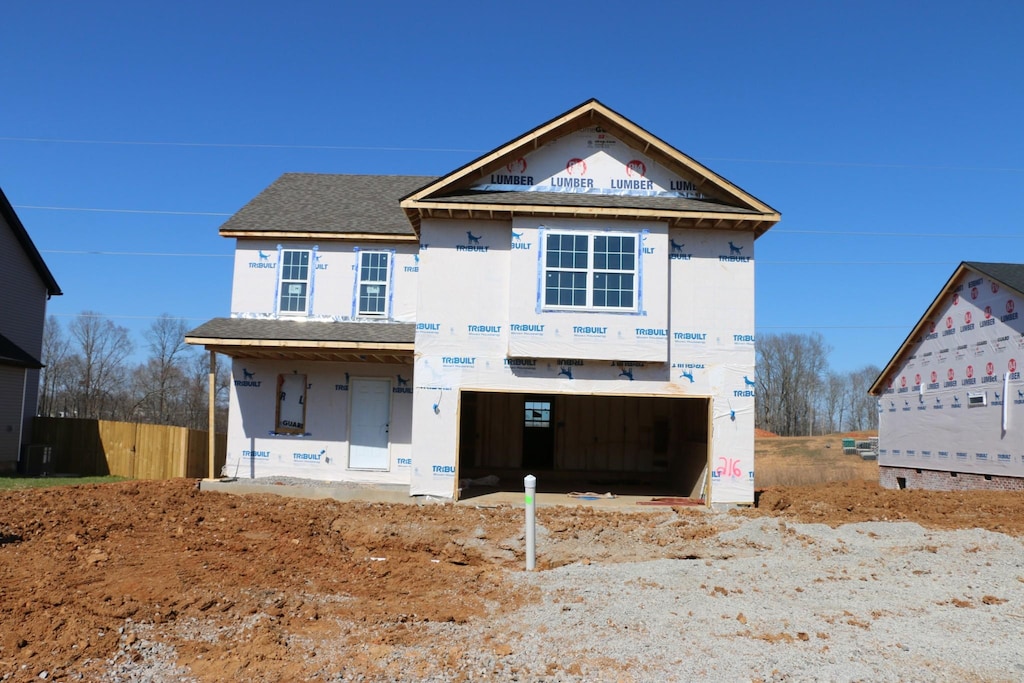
x: 831, y: 327
x: 122, y: 317
x: 243, y: 145
x: 372, y: 148
x: 125, y: 253
x: 857, y: 164
x: 775, y: 231
x: 891, y: 234
x: 146, y: 211
x: 762, y: 262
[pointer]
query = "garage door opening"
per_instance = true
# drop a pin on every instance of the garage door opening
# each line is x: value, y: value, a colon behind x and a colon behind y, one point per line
x: 626, y: 445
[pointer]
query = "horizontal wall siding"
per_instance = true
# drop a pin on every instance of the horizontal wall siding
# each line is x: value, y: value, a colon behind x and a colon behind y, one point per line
x: 11, y: 382
x: 22, y: 295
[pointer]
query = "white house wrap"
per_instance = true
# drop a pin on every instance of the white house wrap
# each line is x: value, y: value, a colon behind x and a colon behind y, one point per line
x: 951, y: 401
x: 566, y: 304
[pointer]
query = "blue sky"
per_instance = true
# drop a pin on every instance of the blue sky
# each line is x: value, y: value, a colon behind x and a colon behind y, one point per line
x: 888, y: 134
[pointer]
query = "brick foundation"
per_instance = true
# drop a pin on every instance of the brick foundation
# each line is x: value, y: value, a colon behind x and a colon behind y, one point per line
x: 938, y: 480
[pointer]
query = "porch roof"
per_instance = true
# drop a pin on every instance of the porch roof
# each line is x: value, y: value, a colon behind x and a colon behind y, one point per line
x: 359, y: 342
x: 12, y: 354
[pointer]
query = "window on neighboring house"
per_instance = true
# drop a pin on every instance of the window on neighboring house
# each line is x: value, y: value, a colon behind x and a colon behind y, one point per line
x: 590, y: 270
x: 294, y: 282
x: 373, y: 283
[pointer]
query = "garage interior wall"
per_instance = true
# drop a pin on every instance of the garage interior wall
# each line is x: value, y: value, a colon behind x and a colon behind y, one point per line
x: 599, y: 438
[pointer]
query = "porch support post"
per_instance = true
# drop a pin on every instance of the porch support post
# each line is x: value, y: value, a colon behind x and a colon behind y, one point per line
x: 212, y: 452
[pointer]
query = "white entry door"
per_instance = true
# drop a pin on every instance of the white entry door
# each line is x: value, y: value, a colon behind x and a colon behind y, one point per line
x: 370, y: 419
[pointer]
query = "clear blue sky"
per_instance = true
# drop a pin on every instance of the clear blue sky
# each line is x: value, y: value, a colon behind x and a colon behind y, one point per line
x: 889, y: 134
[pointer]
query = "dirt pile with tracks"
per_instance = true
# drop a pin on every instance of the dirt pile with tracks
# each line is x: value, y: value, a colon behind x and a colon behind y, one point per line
x: 220, y: 587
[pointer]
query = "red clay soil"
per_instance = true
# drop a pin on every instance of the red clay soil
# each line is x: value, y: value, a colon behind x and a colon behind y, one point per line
x: 863, y: 501
x: 271, y: 588
x: 763, y: 433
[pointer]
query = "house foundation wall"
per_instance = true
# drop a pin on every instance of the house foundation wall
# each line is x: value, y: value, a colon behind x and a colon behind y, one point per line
x: 939, y: 480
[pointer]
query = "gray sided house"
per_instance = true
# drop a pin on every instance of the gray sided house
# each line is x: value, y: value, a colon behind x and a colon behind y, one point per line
x: 951, y: 400
x: 577, y: 303
x: 25, y: 285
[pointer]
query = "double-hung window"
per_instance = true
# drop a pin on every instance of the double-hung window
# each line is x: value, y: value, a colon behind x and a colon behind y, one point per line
x: 595, y: 271
x: 373, y: 283
x: 294, y: 282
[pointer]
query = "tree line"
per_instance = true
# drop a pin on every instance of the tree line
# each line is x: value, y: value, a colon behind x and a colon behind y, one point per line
x: 89, y: 373
x: 797, y: 394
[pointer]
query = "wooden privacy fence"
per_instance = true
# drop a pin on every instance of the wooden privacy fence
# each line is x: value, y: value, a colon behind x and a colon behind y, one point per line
x: 127, y: 449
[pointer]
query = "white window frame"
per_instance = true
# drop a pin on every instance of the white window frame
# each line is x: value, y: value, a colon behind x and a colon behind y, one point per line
x: 591, y: 271
x: 385, y: 283
x: 284, y: 282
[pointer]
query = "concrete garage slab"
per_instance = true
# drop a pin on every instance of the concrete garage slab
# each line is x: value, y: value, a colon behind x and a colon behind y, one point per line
x: 400, y: 494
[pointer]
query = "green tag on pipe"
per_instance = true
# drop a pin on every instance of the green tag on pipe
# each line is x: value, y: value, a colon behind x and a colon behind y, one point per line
x: 529, y: 500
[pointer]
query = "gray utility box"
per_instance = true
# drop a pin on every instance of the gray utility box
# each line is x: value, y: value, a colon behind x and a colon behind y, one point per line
x: 36, y: 460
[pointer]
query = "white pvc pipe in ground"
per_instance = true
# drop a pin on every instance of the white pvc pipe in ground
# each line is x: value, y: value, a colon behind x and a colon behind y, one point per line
x: 531, y: 521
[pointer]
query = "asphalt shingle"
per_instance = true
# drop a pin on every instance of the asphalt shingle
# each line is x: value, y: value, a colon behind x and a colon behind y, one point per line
x: 514, y: 198
x: 306, y: 330
x: 329, y: 203
x: 1010, y: 274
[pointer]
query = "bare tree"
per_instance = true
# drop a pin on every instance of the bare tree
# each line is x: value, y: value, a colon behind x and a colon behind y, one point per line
x: 99, y: 373
x: 863, y: 408
x: 791, y: 370
x: 159, y: 386
x: 198, y: 392
x: 54, y: 375
x: 87, y: 374
x: 834, y: 402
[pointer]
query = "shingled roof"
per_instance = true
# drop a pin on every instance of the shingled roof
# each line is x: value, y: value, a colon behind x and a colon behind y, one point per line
x: 535, y: 198
x: 1010, y: 274
x: 306, y: 330
x: 328, y: 203
x: 307, y: 340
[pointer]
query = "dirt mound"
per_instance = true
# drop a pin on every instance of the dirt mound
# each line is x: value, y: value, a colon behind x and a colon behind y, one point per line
x: 271, y: 588
x: 863, y: 501
x: 78, y: 562
x: 763, y: 434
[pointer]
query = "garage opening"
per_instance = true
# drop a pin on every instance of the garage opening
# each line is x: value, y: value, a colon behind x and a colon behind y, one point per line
x: 628, y: 445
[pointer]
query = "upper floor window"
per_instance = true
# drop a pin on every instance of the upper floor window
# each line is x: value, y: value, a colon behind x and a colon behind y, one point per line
x: 590, y: 270
x: 373, y: 283
x: 294, y: 282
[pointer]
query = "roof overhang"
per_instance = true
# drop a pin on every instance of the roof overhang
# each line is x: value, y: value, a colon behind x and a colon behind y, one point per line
x: 324, y: 236
x: 272, y: 339
x: 759, y: 223
x: 290, y: 349
x: 13, y: 355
